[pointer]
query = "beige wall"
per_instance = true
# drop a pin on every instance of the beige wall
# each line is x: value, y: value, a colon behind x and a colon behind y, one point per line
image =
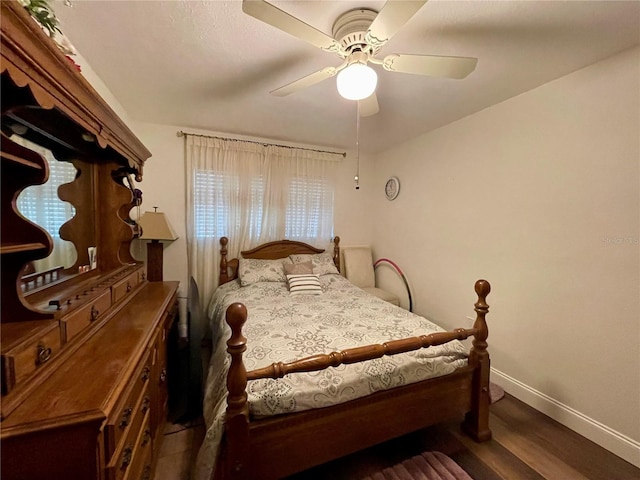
x: 97, y: 83
x: 540, y: 196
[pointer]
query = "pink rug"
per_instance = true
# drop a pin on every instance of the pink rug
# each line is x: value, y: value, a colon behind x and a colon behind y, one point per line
x: 427, y: 466
x: 495, y: 392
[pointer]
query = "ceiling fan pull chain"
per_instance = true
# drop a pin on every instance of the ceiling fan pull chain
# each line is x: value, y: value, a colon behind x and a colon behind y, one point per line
x: 357, y: 179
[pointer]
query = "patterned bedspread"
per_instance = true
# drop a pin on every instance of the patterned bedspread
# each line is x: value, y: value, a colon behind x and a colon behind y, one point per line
x: 281, y: 327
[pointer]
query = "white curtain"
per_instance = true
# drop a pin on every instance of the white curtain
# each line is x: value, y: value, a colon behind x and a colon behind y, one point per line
x: 251, y: 194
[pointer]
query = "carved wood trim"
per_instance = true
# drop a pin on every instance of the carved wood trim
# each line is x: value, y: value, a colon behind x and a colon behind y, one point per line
x: 237, y: 415
x: 476, y: 421
x: 224, y: 268
x: 22, y: 240
x: 280, y: 249
x: 358, y: 354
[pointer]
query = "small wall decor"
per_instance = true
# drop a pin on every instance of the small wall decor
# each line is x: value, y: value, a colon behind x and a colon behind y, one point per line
x: 392, y: 188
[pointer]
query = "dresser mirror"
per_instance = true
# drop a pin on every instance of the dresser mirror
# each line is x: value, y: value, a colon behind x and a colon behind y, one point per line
x: 66, y: 205
x: 41, y: 205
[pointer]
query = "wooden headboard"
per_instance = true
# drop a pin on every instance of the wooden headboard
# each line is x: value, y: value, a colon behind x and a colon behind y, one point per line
x: 269, y: 251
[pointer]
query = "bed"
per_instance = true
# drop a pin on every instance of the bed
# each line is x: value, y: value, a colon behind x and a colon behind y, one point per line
x: 327, y: 372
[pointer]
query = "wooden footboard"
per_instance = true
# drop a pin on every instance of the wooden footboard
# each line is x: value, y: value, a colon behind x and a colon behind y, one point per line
x: 278, y: 446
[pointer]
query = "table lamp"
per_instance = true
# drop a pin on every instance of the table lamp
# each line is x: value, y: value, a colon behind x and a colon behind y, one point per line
x: 155, y: 227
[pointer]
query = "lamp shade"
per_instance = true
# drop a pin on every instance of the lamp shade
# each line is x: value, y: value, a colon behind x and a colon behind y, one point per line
x: 155, y: 226
x: 357, y: 81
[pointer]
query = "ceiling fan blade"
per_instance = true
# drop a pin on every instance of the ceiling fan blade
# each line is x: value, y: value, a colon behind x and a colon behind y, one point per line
x: 432, y: 65
x: 305, y: 82
x: 369, y: 106
x: 392, y: 17
x: 275, y: 17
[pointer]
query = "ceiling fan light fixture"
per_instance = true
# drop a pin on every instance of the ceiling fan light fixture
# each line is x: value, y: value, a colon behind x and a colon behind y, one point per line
x: 357, y: 81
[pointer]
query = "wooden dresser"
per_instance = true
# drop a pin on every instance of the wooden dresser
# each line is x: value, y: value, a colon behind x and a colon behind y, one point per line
x: 101, y: 411
x: 84, y: 350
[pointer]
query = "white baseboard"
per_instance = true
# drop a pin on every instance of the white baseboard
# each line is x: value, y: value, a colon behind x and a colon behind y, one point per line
x: 614, y: 441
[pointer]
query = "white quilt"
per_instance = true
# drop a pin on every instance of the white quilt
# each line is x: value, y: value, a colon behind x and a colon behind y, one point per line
x: 281, y: 327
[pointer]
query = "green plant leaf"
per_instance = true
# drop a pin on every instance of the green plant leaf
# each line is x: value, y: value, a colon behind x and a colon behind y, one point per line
x: 44, y: 15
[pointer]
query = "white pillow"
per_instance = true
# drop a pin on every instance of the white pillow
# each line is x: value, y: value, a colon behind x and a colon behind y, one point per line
x: 251, y: 270
x: 304, y: 284
x: 322, y: 262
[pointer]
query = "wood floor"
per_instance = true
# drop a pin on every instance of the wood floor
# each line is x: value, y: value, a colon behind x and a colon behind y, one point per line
x: 526, y: 444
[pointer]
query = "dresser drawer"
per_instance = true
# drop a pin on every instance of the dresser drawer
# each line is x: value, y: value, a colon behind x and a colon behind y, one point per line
x: 75, y: 322
x: 141, y: 467
x: 159, y: 378
x: 130, y: 456
x: 24, y: 359
x: 136, y: 403
x: 121, y: 289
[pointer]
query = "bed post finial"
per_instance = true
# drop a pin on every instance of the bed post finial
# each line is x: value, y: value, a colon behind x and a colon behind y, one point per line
x: 482, y: 288
x: 237, y: 416
x: 224, y: 270
x: 336, y: 252
x: 236, y: 346
x: 477, y: 420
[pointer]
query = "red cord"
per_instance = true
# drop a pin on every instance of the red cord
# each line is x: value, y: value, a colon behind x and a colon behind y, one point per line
x: 404, y: 279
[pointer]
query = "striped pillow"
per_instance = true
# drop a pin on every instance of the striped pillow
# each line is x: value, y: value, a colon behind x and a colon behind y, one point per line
x: 304, y: 284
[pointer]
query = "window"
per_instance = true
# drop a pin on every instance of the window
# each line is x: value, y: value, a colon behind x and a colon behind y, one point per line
x: 214, y: 192
x: 211, y: 213
x: 40, y: 203
x: 305, y: 210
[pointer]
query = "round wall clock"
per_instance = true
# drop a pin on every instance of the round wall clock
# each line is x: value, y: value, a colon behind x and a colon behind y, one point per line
x: 392, y: 188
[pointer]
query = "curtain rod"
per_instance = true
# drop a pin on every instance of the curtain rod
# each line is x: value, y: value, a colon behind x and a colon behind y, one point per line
x: 180, y: 133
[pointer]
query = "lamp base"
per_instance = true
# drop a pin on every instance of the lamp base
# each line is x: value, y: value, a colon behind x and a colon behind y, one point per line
x: 154, y: 261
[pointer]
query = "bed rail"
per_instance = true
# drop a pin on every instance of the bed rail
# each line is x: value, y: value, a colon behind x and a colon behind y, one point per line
x: 237, y: 315
x: 358, y: 354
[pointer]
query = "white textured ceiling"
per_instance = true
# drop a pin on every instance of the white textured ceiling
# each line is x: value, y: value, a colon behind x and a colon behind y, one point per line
x: 207, y: 65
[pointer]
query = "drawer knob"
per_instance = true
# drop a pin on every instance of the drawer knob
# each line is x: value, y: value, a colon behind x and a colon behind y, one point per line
x: 44, y: 354
x: 146, y: 437
x: 126, y: 457
x: 94, y: 313
x: 128, y: 287
x: 163, y: 375
x: 146, y: 473
x: 146, y: 371
x: 126, y: 418
x: 146, y: 402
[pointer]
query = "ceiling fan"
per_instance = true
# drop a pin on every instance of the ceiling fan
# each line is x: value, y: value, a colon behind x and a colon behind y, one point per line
x: 358, y: 35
